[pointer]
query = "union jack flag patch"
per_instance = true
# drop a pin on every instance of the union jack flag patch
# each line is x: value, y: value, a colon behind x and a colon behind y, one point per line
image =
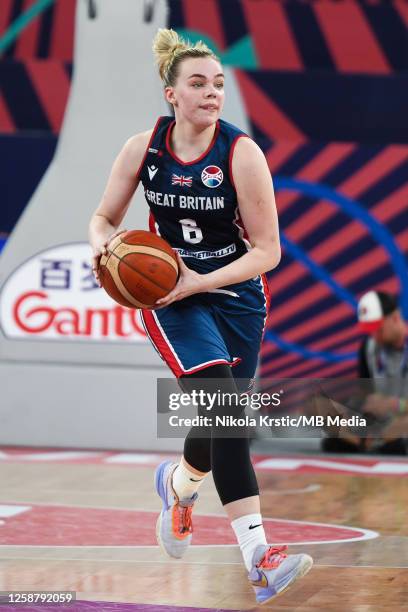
x: 183, y: 181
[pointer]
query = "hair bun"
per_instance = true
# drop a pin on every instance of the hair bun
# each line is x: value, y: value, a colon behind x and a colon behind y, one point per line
x: 169, y: 49
x: 166, y: 43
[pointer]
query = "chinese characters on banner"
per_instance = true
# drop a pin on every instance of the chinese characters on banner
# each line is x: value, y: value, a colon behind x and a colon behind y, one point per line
x: 54, y: 295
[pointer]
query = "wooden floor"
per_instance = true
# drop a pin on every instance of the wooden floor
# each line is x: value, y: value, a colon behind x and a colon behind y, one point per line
x: 86, y: 524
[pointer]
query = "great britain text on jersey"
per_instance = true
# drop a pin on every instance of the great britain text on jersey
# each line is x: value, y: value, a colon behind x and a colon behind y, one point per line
x: 181, y: 201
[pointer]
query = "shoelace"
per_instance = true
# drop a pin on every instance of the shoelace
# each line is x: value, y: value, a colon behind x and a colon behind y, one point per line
x: 183, y: 519
x: 273, y: 557
x: 186, y: 518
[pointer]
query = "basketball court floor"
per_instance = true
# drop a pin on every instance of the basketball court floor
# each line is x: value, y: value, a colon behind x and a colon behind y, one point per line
x: 85, y: 522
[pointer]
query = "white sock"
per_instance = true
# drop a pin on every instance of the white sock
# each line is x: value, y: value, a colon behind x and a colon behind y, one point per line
x: 250, y: 533
x: 185, y: 482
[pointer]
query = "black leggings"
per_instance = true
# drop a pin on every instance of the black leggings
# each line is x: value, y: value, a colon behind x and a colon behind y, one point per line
x: 228, y: 457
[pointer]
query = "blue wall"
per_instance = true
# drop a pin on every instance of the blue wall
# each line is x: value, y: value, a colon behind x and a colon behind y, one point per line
x: 24, y: 159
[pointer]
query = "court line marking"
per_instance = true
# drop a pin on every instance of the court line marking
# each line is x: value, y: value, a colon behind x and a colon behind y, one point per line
x: 309, y: 489
x: 366, y: 534
x: 375, y: 465
x: 380, y: 468
x: 180, y: 562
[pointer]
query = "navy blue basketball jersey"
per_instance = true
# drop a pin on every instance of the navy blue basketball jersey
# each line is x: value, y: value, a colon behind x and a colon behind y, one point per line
x: 193, y: 205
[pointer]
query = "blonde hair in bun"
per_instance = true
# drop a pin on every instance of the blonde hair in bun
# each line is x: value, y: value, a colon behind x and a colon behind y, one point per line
x: 170, y: 50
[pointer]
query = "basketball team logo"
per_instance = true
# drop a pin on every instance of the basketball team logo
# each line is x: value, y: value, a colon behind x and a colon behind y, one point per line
x: 212, y: 176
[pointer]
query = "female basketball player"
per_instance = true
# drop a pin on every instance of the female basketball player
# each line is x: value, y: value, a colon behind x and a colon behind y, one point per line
x: 210, y: 195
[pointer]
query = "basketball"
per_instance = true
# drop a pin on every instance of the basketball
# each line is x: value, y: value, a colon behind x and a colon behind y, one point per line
x: 138, y: 269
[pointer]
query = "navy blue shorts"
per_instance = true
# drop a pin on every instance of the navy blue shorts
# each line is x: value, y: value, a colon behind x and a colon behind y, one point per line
x: 205, y: 329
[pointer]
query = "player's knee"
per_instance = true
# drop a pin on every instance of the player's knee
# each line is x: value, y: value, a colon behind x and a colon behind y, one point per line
x: 216, y: 392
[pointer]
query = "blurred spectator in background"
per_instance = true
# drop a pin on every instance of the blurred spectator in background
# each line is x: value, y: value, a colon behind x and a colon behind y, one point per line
x: 383, y: 358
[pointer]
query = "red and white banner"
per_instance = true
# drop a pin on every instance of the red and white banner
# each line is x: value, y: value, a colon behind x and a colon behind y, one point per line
x: 54, y: 296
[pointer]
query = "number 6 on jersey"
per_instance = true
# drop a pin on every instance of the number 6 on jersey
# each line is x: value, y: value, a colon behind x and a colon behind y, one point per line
x: 191, y: 232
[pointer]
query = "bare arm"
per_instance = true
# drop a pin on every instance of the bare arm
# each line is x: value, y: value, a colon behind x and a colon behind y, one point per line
x: 256, y: 202
x: 257, y: 208
x: 122, y: 184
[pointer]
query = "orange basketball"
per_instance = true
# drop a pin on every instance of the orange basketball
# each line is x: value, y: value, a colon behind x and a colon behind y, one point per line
x: 139, y: 269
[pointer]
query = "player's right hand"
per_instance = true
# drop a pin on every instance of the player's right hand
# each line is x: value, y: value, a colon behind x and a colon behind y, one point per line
x: 101, y: 248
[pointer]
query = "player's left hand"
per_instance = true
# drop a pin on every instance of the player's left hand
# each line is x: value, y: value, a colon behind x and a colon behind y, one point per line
x: 189, y: 282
